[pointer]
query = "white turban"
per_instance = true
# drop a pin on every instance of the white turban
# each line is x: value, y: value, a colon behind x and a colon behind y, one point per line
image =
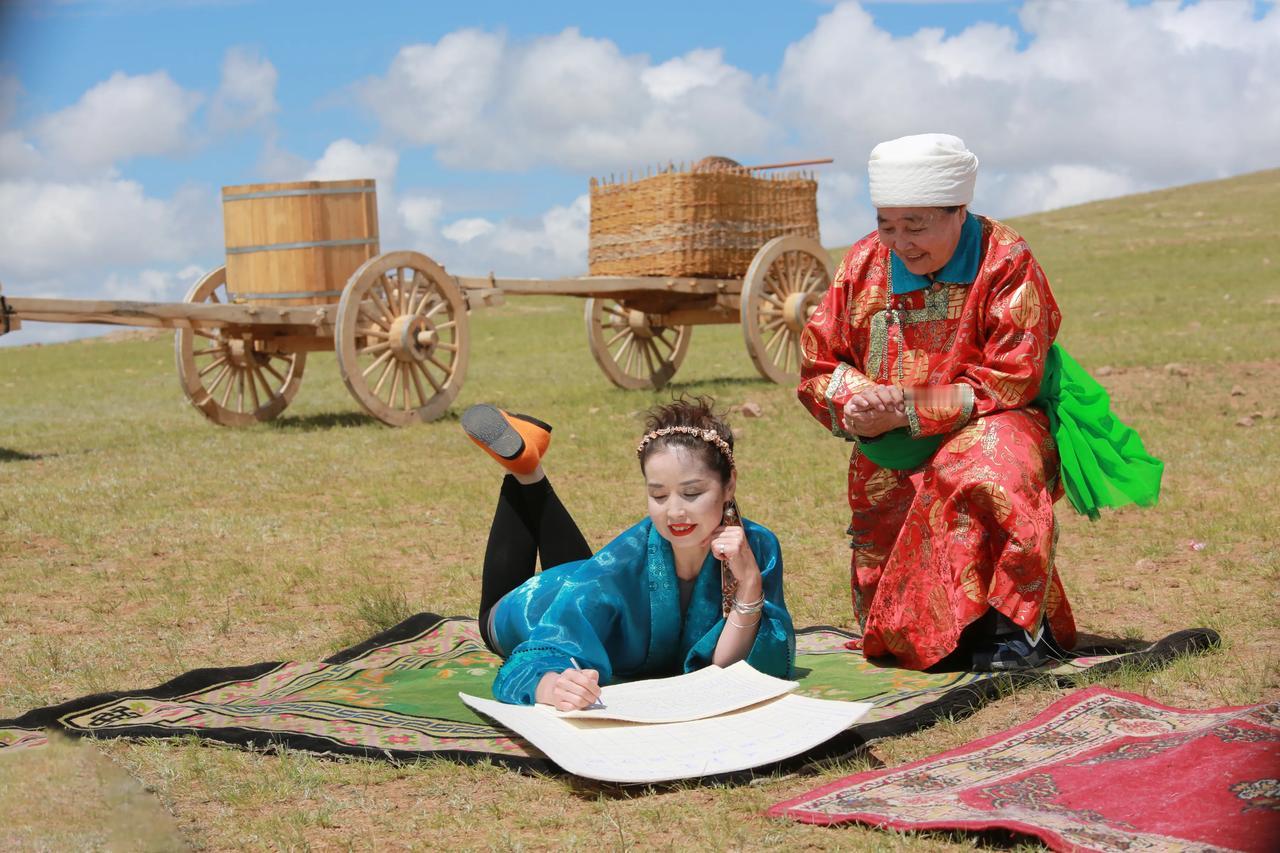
x: 927, y: 170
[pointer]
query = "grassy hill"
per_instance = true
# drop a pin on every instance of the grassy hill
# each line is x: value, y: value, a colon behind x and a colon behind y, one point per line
x: 137, y: 541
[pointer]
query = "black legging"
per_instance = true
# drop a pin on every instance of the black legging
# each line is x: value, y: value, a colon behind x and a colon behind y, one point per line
x: 529, y: 522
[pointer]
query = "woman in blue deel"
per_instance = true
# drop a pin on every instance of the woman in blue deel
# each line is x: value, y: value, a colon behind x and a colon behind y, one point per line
x: 654, y: 601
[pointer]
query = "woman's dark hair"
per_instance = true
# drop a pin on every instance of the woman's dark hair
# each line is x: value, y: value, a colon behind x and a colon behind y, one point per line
x: 697, y: 413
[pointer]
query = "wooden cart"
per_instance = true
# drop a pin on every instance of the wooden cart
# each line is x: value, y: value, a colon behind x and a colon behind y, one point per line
x: 638, y: 328
x: 304, y: 274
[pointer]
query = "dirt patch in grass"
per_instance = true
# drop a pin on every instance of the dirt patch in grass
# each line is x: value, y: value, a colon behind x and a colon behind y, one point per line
x: 69, y: 796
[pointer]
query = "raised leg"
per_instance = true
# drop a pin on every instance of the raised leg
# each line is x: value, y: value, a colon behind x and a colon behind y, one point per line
x: 529, y: 521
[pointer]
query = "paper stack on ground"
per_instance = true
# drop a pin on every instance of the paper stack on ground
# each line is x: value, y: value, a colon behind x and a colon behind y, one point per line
x: 703, y: 723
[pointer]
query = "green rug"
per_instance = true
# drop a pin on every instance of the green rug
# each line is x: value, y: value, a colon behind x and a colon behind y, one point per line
x: 395, y: 696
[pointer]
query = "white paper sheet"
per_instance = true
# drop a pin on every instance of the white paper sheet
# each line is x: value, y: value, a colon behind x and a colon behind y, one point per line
x: 707, y: 692
x: 633, y: 753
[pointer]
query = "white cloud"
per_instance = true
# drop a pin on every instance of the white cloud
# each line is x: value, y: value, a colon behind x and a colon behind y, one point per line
x: 844, y: 213
x: 278, y: 164
x: 18, y: 157
x: 566, y: 232
x: 246, y: 95
x: 72, y: 227
x: 466, y: 230
x: 437, y: 93
x: 54, y: 229
x: 102, y: 239
x: 118, y: 119
x: 552, y: 245
x: 556, y: 244
x: 1061, y: 185
x: 346, y: 160
x: 676, y: 78
x: 1172, y: 94
x: 420, y: 215
x: 568, y: 100
x: 152, y: 285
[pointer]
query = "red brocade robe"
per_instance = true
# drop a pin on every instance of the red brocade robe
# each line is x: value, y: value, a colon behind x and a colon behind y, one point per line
x: 973, y: 527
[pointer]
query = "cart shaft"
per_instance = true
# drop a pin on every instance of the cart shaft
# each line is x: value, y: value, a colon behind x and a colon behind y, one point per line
x: 317, y: 319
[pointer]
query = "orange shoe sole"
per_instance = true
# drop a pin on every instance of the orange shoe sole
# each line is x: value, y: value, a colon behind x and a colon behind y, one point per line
x: 518, y: 442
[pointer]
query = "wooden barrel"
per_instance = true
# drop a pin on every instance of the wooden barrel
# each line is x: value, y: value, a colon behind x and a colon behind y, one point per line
x: 297, y: 243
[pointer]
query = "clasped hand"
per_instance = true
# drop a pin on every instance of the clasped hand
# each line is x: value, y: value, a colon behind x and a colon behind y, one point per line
x: 874, y: 411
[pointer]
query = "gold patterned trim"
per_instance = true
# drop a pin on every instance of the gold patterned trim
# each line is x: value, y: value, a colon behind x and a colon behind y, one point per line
x: 966, y: 405
x: 837, y: 380
x: 1049, y: 568
x: 913, y: 419
x: 944, y: 303
x: 878, y: 347
x: 837, y: 383
x: 937, y: 305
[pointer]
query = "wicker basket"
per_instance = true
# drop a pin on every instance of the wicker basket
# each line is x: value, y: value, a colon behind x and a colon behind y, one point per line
x: 707, y: 222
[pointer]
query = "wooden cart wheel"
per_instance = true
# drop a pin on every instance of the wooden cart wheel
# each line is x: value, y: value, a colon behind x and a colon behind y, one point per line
x: 402, y: 338
x: 632, y: 352
x: 230, y: 381
x: 784, y: 284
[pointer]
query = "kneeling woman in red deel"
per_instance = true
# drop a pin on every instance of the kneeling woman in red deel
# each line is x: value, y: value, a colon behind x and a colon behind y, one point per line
x: 933, y: 352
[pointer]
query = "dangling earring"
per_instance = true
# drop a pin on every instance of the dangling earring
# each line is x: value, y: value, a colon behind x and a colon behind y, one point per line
x: 728, y: 583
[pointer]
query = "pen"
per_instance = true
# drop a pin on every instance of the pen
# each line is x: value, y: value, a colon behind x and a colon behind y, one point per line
x: 594, y: 705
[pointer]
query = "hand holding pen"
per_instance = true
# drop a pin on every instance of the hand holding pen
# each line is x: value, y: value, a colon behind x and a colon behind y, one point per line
x: 572, y: 690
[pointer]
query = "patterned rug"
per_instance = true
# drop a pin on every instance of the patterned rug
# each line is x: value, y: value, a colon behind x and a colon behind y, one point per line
x: 395, y: 696
x: 1098, y: 770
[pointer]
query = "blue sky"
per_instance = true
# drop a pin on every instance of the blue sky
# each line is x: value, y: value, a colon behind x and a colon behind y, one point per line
x: 119, y: 121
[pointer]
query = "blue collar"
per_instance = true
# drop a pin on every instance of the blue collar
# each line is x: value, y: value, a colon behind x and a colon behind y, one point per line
x: 961, y: 269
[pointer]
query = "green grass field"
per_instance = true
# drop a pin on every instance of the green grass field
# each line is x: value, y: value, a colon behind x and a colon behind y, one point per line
x: 138, y: 541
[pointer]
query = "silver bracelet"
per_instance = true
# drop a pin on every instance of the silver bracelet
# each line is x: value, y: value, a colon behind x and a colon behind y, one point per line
x: 749, y: 608
x: 729, y: 619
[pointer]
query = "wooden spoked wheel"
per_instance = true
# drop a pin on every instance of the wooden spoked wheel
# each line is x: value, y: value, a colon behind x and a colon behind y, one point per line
x: 631, y: 350
x: 227, y: 376
x: 402, y: 338
x: 784, y: 284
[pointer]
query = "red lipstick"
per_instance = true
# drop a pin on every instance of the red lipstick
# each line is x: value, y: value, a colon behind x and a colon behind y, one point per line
x: 681, y: 529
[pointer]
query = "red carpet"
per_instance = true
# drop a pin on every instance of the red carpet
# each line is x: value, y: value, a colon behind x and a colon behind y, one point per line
x: 1098, y: 770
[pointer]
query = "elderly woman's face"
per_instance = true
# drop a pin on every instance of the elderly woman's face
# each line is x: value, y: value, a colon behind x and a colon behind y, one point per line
x: 924, y: 238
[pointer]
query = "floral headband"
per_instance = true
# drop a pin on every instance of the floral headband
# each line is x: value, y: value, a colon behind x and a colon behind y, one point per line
x: 710, y: 436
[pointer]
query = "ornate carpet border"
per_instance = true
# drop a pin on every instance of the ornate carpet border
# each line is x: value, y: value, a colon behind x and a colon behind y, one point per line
x: 205, y: 678
x: 958, y: 702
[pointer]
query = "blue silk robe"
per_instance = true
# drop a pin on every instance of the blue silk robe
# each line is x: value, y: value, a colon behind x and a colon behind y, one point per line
x: 618, y: 612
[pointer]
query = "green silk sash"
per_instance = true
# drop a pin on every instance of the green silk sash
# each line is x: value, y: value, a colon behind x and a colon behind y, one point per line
x: 1103, y: 460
